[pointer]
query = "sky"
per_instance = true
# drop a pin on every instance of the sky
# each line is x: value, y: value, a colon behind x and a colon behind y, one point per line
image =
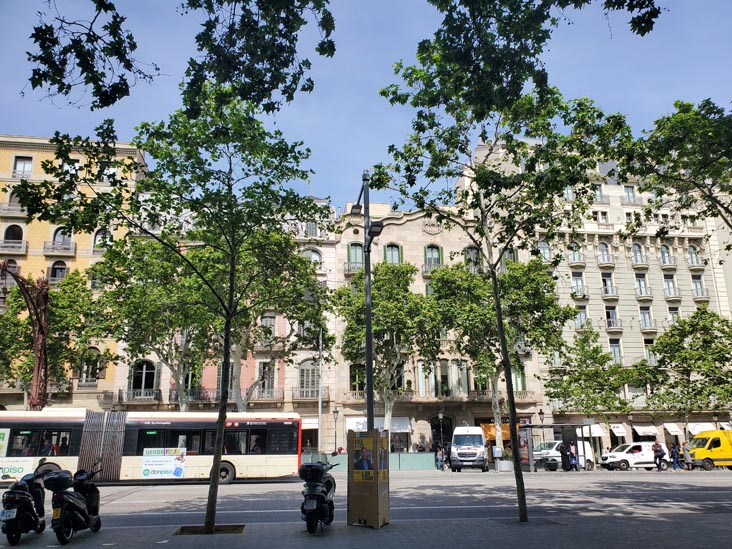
x: 345, y: 122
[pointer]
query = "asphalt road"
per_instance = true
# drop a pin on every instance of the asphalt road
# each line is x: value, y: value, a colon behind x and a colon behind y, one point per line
x: 424, y: 497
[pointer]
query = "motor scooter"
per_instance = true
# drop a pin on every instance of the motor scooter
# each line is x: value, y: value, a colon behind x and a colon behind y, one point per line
x: 73, y: 510
x: 23, y: 506
x: 319, y: 491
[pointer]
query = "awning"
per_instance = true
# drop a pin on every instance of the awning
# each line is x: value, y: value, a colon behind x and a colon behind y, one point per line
x: 398, y: 424
x: 645, y: 430
x: 726, y: 426
x: 310, y: 423
x: 695, y: 428
x: 618, y: 429
x: 673, y: 429
x: 594, y: 430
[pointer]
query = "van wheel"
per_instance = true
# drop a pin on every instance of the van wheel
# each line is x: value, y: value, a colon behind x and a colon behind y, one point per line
x: 707, y: 464
x: 664, y: 465
x: 453, y: 469
x: 485, y: 468
x: 226, y: 473
x: 623, y: 465
x: 589, y: 466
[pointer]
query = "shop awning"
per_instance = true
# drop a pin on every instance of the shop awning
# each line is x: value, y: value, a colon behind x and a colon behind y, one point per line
x: 726, y: 426
x: 594, y: 430
x: 695, y: 428
x: 673, y: 429
x: 398, y: 424
x: 310, y: 423
x: 645, y: 429
x: 618, y: 429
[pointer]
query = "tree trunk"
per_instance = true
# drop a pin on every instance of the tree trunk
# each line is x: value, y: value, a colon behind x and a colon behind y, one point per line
x: 496, y: 405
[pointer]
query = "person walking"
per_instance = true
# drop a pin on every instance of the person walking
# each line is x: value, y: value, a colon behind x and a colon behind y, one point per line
x: 564, y: 452
x: 658, y: 454
x: 440, y: 456
x: 687, y: 455
x: 573, y: 457
x: 674, y: 454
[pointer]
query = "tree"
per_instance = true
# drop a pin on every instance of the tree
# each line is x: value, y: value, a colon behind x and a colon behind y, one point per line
x: 403, y: 324
x: 589, y: 381
x: 219, y: 187
x: 694, y: 357
x: 533, y: 317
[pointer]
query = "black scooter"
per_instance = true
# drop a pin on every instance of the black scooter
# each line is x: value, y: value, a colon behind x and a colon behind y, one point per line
x: 319, y: 492
x: 23, y: 506
x: 73, y: 510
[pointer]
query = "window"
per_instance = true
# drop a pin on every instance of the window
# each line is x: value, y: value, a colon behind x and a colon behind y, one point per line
x: 309, y: 380
x: 646, y: 321
x: 598, y: 193
x: 641, y: 285
x: 697, y: 286
x: 603, y: 253
x: 313, y: 256
x: 544, y: 251
x: 629, y: 192
x: 628, y: 217
x: 57, y: 272
x: 637, y: 252
x: 267, y: 326
x: 61, y: 236
x: 568, y: 193
x: 358, y: 377
x: 393, y: 254
x: 575, y: 253
x: 650, y: 356
x: 519, y: 380
x: 102, y: 239
x: 669, y: 285
x: 578, y: 285
x: 432, y: 257
x: 91, y: 367
x: 615, y: 351
x: 580, y: 319
x: 14, y: 232
x: 607, y: 284
x: 611, y: 316
x: 665, y: 254
x: 311, y: 229
x: 673, y: 314
x: 266, y: 373
x: 71, y: 167
x: 22, y: 167
x: 144, y: 378
x: 428, y: 289
x: 603, y: 218
x: 693, y: 256
x: 355, y: 256
x: 472, y: 258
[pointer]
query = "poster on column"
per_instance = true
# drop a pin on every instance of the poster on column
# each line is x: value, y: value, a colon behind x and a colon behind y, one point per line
x: 163, y: 463
x: 363, y: 460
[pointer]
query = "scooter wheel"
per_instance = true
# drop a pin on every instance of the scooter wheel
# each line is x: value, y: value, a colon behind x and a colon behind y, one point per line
x: 13, y: 538
x: 65, y: 531
x: 311, y: 520
x: 41, y: 526
x: 97, y: 525
x: 331, y: 513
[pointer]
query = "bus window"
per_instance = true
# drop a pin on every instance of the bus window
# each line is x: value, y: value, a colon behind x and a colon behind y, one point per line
x: 188, y: 439
x: 24, y: 442
x: 282, y: 441
x: 235, y: 442
x: 55, y: 443
x: 153, y: 438
x: 258, y: 441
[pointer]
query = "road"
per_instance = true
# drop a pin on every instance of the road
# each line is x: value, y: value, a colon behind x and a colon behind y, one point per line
x: 140, y: 515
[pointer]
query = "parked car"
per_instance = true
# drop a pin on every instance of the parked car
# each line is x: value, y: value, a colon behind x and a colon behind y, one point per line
x: 710, y: 449
x: 638, y: 455
x: 549, y: 452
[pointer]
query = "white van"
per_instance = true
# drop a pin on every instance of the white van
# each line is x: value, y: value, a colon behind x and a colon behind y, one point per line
x: 549, y: 452
x: 633, y: 456
x: 468, y: 449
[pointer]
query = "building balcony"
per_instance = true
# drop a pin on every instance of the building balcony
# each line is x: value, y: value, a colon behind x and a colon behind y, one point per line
x: 267, y: 395
x: 613, y: 325
x: 67, y: 249
x: 20, y: 174
x: 85, y: 385
x: 12, y: 210
x: 352, y: 267
x: 610, y: 293
x: 576, y: 260
x: 7, y: 387
x: 700, y: 295
x: 582, y: 326
x: 309, y: 394
x: 427, y: 268
x: 606, y: 261
x: 580, y: 293
x: 696, y: 266
x: 13, y: 247
x: 696, y: 229
x: 648, y: 326
x: 601, y: 199
x: 643, y: 294
x: 631, y: 200
x: 672, y: 294
x: 197, y: 395
x: 140, y: 395
x: 606, y: 227
x: 668, y: 263
x: 639, y: 262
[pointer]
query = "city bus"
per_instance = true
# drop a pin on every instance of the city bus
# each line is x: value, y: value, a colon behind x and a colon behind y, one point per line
x: 139, y: 446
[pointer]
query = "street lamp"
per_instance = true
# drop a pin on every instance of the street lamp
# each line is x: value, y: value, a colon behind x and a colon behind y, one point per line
x: 630, y: 419
x: 715, y: 419
x: 371, y: 229
x: 441, y: 416
x: 335, y: 427
x: 541, y: 420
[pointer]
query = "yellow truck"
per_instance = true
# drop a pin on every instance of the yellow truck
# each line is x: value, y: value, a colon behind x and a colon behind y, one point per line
x: 710, y: 449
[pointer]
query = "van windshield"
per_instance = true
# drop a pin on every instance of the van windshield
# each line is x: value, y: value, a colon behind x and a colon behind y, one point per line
x: 621, y: 448
x: 699, y: 442
x: 544, y: 446
x: 467, y: 440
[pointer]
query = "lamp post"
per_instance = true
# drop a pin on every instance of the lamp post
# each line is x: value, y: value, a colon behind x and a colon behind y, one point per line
x: 630, y: 419
x: 441, y: 416
x: 541, y: 420
x: 715, y: 419
x: 335, y: 428
x: 371, y: 229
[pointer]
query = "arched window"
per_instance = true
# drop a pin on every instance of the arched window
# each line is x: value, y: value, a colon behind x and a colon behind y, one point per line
x: 58, y: 272
x: 355, y: 257
x: 13, y: 232
x: 472, y: 256
x: 637, y: 252
x: 544, y: 251
x: 432, y: 258
x: 144, y: 379
x: 693, y: 255
x: 393, y: 254
x: 575, y: 252
x: 603, y: 252
x: 61, y: 236
x: 309, y: 379
x: 102, y: 239
x: 313, y: 256
x: 358, y: 377
x: 665, y: 255
x: 91, y: 367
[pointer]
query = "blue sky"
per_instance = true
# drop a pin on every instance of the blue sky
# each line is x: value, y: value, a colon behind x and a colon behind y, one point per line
x: 344, y: 121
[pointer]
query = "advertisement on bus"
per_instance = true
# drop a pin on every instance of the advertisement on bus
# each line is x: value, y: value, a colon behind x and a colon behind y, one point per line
x: 163, y: 463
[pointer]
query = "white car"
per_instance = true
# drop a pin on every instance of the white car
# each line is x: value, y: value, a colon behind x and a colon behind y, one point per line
x: 549, y: 452
x: 633, y: 456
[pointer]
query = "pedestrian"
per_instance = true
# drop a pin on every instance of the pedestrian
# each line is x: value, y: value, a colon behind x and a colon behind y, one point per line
x: 658, y: 454
x: 573, y: 457
x: 674, y: 454
x: 440, y: 457
x: 687, y: 455
x: 564, y: 452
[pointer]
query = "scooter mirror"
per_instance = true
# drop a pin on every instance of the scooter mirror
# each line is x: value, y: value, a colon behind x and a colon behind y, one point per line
x: 41, y: 461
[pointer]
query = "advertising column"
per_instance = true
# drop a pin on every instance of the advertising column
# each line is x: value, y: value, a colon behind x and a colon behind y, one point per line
x: 368, y: 478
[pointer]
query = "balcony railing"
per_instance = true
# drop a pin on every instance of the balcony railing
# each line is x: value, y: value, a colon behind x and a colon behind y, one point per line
x: 352, y: 267
x: 19, y: 247
x: 610, y: 292
x: 59, y: 248
x: 300, y: 393
x: 667, y: 262
x: 696, y: 265
x: 21, y: 174
x: 643, y: 294
x: 631, y: 200
x: 605, y: 260
x: 427, y: 268
x: 11, y: 210
x: 86, y: 385
x: 604, y: 226
x: 639, y: 261
x: 613, y: 325
x: 601, y: 199
x: 648, y: 325
x: 576, y: 259
x: 580, y: 293
x: 133, y: 395
x: 672, y: 294
x: 700, y: 294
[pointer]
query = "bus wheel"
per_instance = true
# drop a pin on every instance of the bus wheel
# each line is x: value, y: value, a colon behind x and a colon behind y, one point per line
x: 226, y: 473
